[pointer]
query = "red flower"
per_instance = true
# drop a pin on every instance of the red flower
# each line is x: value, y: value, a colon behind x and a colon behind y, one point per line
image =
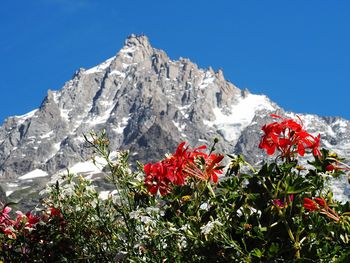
x: 316, y: 145
x: 212, y: 169
x: 310, y: 205
x: 174, y: 164
x: 321, y: 206
x: 7, y: 231
x: 55, y: 211
x: 337, y: 166
x: 31, y: 219
x: 4, y: 215
x: 291, y: 198
x: 289, y: 138
x: 321, y: 201
x: 176, y: 168
x: 330, y: 168
x: 209, y: 169
x: 156, y: 178
x: 278, y: 202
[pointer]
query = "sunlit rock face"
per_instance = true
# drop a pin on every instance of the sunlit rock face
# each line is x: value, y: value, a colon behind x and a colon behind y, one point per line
x: 147, y: 103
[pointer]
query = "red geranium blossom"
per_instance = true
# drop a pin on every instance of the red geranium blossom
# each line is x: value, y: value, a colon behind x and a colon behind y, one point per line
x: 156, y: 178
x: 320, y: 201
x: 211, y: 168
x: 288, y: 137
x: 55, y: 211
x: 337, y: 166
x: 177, y: 167
x: 322, y: 207
x: 4, y: 215
x: 31, y: 220
x: 310, y: 205
x: 330, y: 167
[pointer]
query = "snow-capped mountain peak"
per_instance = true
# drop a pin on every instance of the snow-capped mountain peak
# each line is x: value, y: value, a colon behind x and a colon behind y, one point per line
x: 147, y: 103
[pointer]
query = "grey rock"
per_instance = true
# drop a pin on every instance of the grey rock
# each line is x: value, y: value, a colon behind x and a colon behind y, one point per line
x: 147, y: 103
x: 3, y: 198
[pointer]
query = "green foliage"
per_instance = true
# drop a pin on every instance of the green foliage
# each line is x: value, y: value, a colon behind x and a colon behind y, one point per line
x: 249, y: 216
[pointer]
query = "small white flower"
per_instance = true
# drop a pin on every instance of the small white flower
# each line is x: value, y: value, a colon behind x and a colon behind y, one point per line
x: 68, y: 189
x: 90, y: 188
x: 135, y: 214
x: 210, y: 226
x: 204, y: 206
x: 182, y: 242
x: 152, y: 209
x: 255, y: 211
x: 146, y: 219
x: 185, y: 227
x: 45, y: 191
x: 94, y: 203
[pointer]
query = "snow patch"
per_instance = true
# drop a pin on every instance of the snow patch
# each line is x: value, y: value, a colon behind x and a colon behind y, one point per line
x: 341, y: 125
x: 22, y: 118
x: 208, y: 79
x: 89, y: 166
x: 8, y: 193
x: 84, y: 167
x: 103, y: 118
x: 128, y: 49
x: 180, y: 127
x: 56, y: 147
x: 184, y: 110
x: 101, y: 67
x: 12, y: 185
x: 56, y: 96
x: 65, y: 114
x: 47, y: 135
x: 33, y: 174
x: 239, y: 116
x: 121, y: 125
x: 118, y: 73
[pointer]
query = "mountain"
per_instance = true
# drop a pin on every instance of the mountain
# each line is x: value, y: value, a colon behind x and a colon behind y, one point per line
x: 147, y: 103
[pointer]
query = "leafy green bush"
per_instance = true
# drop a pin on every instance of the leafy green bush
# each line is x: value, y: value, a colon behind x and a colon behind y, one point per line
x: 176, y: 210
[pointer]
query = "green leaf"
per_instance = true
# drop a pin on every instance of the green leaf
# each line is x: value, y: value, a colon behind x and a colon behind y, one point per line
x: 257, y: 253
x: 292, y: 190
x: 274, y: 249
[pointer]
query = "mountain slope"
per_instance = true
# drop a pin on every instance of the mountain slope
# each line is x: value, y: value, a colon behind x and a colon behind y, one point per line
x: 147, y: 103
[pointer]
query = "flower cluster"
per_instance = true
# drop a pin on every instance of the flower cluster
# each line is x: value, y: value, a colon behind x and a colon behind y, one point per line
x: 319, y: 204
x: 289, y: 138
x: 251, y: 215
x: 9, y: 226
x: 185, y: 162
x: 24, y: 222
x: 337, y: 166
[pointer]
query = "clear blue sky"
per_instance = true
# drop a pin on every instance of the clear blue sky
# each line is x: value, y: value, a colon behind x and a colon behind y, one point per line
x: 296, y: 52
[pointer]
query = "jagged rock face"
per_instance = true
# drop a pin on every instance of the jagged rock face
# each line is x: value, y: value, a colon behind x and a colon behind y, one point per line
x: 147, y: 103
x: 3, y: 198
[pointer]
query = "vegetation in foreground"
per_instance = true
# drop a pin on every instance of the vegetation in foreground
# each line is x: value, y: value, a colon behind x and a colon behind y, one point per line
x: 178, y: 210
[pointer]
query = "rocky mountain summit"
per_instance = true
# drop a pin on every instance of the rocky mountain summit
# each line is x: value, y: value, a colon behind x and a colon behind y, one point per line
x: 147, y: 103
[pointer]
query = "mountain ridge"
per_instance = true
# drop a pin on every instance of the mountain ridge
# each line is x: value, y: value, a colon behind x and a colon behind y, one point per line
x: 147, y: 103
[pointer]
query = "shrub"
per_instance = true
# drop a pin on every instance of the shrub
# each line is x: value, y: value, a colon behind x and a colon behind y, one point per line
x: 177, y: 210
